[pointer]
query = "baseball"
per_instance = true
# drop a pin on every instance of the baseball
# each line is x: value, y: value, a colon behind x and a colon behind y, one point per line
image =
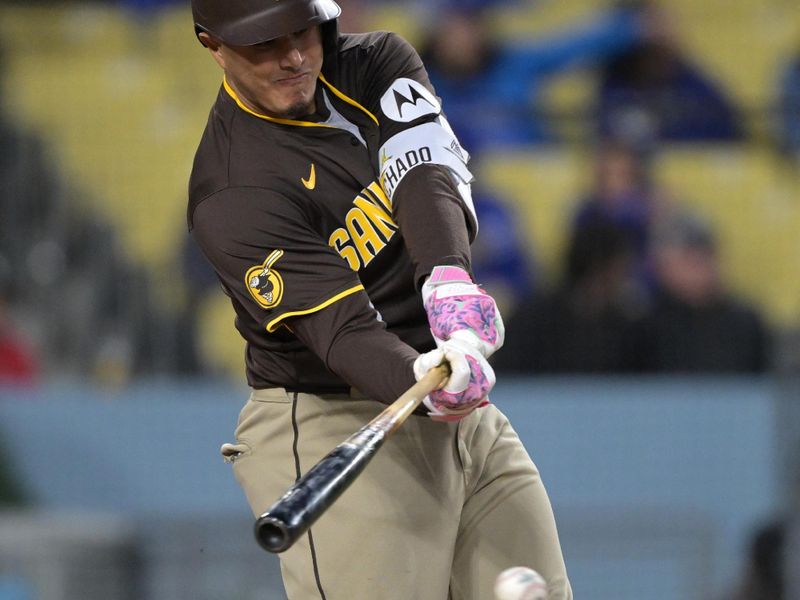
x: 520, y: 583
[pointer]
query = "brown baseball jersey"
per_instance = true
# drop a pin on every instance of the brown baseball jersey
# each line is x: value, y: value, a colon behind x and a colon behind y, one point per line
x: 297, y: 216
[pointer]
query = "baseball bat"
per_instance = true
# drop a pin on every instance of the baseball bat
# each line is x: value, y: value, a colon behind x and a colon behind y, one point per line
x: 292, y: 514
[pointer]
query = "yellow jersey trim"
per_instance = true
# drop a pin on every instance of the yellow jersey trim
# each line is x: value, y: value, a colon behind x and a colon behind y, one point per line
x: 241, y: 105
x: 273, y: 325
x: 347, y: 99
x: 294, y: 122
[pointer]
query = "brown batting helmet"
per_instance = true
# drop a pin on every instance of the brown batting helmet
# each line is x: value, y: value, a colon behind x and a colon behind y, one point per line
x: 250, y: 22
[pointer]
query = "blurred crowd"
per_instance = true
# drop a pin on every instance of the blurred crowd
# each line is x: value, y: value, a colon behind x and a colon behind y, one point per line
x: 639, y: 291
x: 639, y: 287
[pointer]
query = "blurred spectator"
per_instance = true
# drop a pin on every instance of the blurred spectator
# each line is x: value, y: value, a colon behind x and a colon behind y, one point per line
x: 773, y: 569
x: 789, y: 107
x: 491, y: 88
x: 11, y: 489
x: 502, y: 261
x: 588, y: 324
x: 11, y: 493
x: 694, y: 324
x: 18, y: 364
x: 200, y: 281
x: 355, y: 15
x: 624, y: 194
x: 652, y: 90
x: 765, y: 574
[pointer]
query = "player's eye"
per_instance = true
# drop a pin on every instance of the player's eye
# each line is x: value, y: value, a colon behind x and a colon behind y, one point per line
x: 298, y: 35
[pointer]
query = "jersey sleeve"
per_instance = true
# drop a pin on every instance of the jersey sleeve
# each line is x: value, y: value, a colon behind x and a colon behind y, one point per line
x: 413, y: 127
x: 354, y: 343
x: 268, y: 255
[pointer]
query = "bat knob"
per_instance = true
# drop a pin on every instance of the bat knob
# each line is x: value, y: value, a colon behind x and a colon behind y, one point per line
x: 272, y: 534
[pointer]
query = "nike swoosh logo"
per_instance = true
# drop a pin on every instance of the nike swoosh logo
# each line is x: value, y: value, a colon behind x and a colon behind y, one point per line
x: 311, y: 182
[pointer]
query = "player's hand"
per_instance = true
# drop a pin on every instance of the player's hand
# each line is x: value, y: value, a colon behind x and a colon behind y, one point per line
x: 471, y: 379
x: 460, y: 310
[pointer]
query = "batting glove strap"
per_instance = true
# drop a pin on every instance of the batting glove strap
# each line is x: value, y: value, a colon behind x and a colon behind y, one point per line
x: 458, y: 309
x: 468, y: 386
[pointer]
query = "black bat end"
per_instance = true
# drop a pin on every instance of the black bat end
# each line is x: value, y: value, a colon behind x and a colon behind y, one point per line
x: 294, y: 512
x: 272, y: 534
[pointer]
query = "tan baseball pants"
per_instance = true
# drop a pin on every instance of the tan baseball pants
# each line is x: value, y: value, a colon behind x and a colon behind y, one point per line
x: 440, y: 511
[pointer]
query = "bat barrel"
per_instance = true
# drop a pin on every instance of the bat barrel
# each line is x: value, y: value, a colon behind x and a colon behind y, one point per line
x: 294, y: 512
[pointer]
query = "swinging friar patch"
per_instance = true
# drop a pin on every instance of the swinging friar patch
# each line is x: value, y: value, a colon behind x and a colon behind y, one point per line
x: 264, y: 283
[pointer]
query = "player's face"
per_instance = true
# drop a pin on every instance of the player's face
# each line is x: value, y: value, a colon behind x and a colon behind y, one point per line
x: 276, y: 78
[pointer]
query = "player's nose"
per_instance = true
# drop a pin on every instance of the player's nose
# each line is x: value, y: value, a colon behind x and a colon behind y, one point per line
x: 292, y: 56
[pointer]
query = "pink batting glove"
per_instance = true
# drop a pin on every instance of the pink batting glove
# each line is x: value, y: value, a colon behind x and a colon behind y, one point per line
x: 458, y: 309
x: 471, y: 379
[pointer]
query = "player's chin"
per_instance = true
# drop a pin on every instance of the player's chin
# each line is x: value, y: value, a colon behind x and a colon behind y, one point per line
x: 297, y: 108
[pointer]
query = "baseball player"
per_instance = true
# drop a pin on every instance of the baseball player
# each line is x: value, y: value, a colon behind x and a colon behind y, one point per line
x: 333, y: 201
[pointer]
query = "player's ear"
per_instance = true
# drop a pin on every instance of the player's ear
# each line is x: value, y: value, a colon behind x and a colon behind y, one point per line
x: 214, y: 46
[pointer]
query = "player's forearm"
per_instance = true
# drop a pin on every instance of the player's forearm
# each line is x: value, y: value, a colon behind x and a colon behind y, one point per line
x: 434, y: 222
x: 378, y: 364
x: 356, y: 346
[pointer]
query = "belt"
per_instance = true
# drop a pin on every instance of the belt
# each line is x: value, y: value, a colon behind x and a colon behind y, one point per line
x: 280, y: 392
x: 285, y: 394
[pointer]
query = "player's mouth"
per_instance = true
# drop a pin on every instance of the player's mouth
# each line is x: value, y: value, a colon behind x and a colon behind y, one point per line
x: 292, y: 80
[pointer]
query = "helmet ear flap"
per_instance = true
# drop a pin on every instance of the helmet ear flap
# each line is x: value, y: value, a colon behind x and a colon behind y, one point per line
x: 330, y: 36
